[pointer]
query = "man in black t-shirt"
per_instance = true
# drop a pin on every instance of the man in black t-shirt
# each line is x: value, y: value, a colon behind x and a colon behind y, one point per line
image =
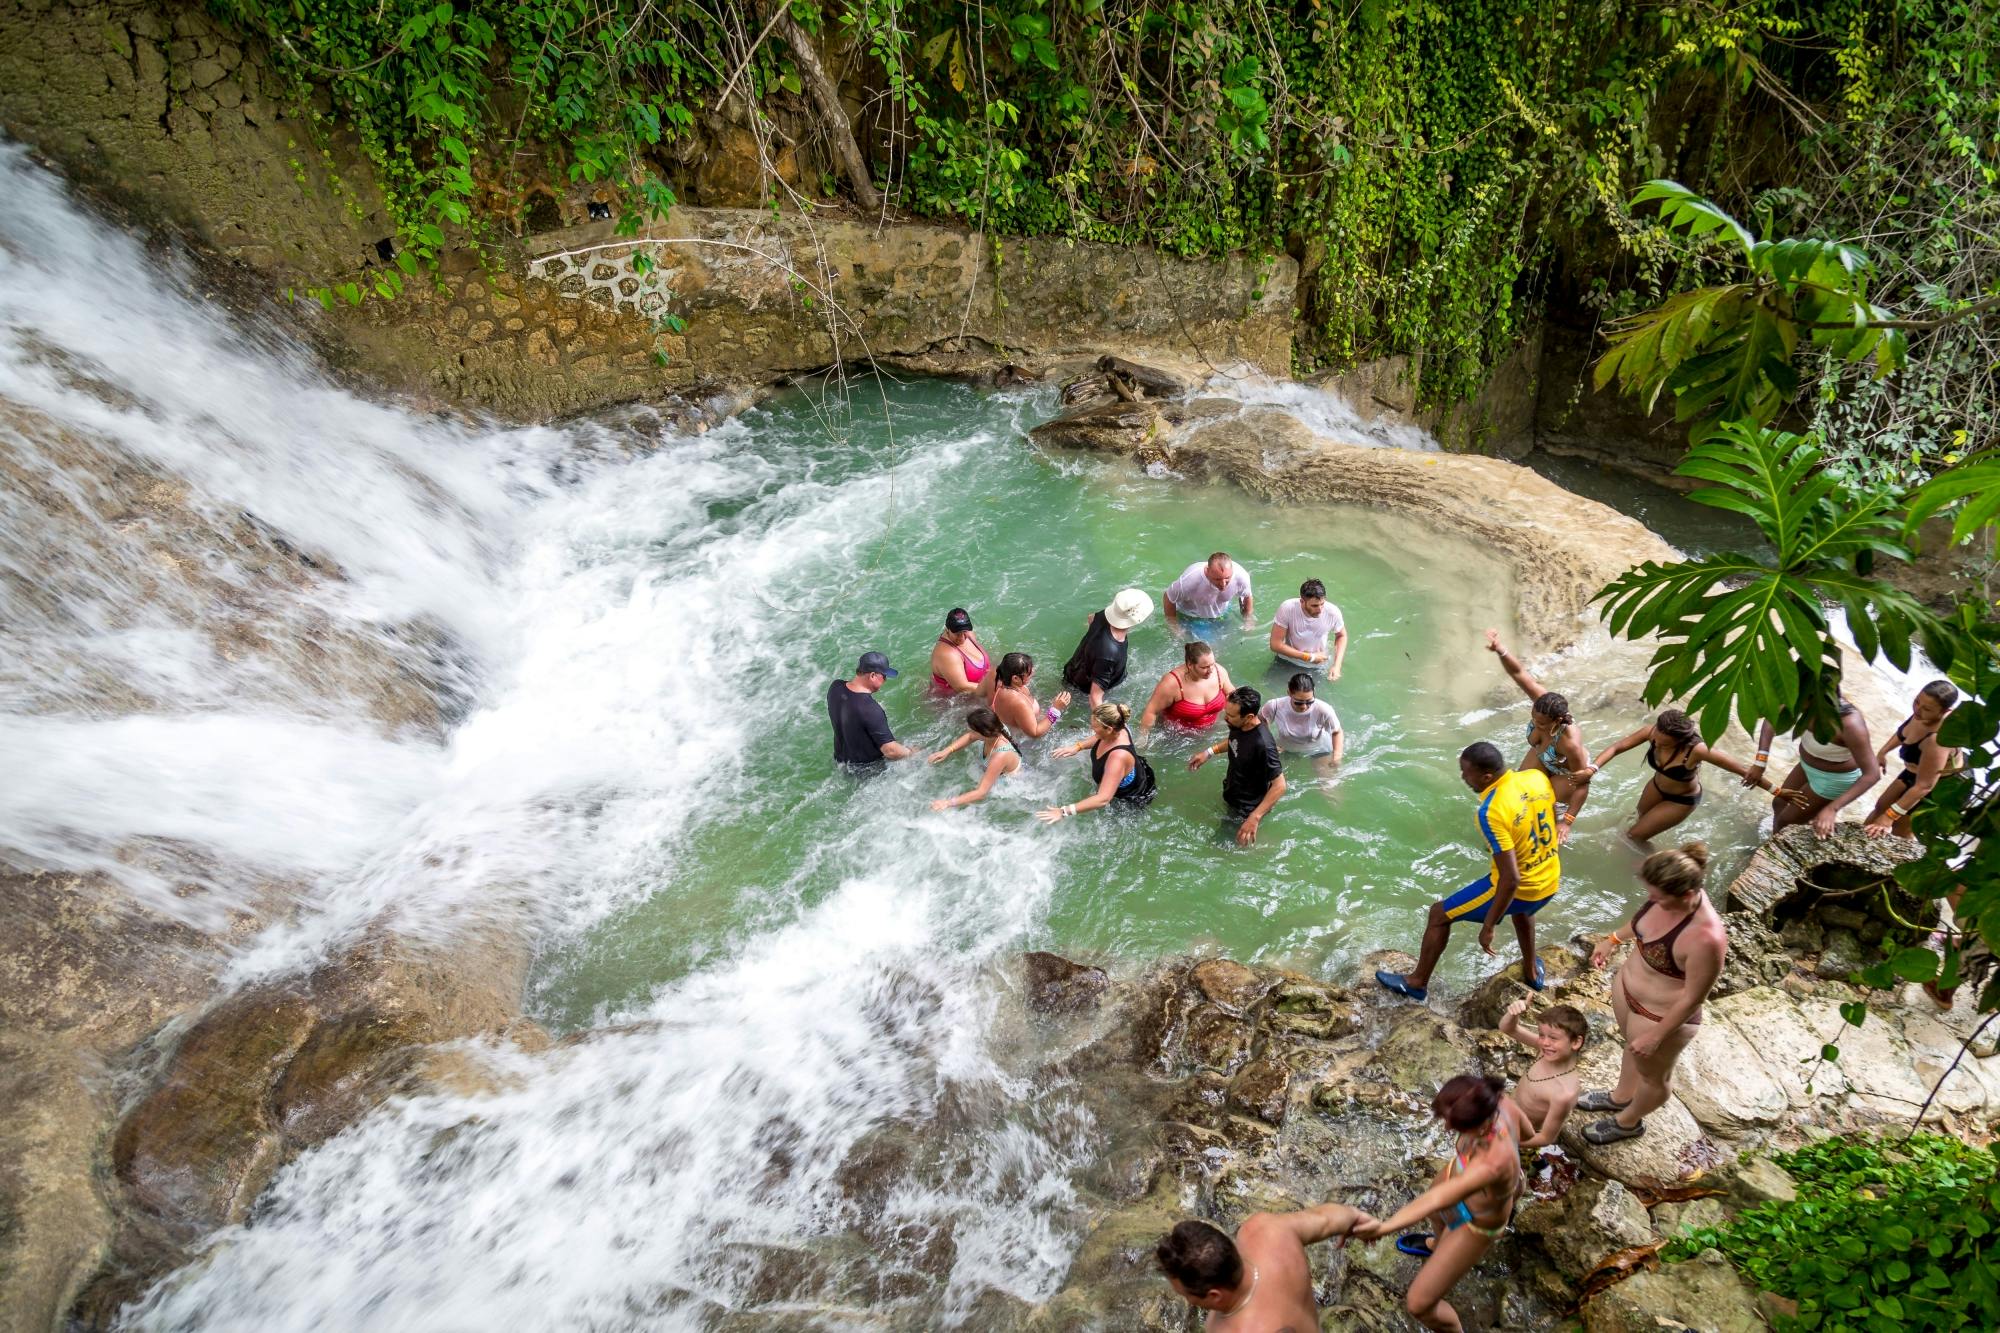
x: 1256, y: 777
x: 861, y: 736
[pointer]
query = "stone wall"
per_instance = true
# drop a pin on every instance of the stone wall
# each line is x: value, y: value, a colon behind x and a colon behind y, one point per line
x: 156, y: 105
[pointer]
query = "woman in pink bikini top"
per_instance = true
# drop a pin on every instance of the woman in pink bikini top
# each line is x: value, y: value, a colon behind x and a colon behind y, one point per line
x: 1193, y: 694
x: 958, y: 662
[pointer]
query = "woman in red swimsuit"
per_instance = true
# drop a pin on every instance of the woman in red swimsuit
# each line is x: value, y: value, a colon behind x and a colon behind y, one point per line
x: 958, y: 662
x: 1658, y: 993
x: 1193, y: 694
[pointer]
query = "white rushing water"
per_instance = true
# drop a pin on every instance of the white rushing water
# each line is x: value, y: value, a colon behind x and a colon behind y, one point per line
x: 642, y: 1177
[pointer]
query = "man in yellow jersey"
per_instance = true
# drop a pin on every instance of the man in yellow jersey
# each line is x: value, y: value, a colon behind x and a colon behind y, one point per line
x: 1517, y: 818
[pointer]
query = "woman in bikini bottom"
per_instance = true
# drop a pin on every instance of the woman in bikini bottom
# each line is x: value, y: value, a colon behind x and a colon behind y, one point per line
x: 1680, y: 939
x: 1473, y: 1201
x: 1675, y: 753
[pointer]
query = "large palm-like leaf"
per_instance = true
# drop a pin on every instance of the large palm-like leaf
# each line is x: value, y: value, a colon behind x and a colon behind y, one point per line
x: 1976, y: 481
x: 1726, y: 352
x: 1752, y: 635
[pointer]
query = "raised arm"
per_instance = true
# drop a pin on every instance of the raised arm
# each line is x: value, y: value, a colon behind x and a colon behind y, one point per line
x: 1512, y: 666
x: 1510, y: 1024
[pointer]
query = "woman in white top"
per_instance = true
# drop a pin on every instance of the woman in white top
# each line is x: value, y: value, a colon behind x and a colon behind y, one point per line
x: 1305, y: 624
x: 1302, y: 724
x: 1829, y: 775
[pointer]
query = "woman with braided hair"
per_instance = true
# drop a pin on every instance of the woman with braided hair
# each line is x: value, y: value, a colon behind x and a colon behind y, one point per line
x: 1658, y: 993
x: 1555, y: 741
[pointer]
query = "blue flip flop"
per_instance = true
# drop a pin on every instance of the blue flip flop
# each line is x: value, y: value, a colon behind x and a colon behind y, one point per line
x: 1394, y: 981
x: 1417, y: 1243
x: 1541, y: 976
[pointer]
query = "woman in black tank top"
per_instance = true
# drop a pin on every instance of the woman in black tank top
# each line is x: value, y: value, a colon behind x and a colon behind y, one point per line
x: 1120, y: 772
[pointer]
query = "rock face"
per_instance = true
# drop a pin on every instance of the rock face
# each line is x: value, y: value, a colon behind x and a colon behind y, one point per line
x: 1704, y: 1293
x: 54, y: 1227
x: 1578, y: 545
x: 166, y: 109
x: 1799, y: 864
x: 1056, y: 985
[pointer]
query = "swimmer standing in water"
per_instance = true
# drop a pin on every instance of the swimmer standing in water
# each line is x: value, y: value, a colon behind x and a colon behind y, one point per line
x: 958, y: 661
x: 1555, y: 741
x: 1193, y: 694
x: 1002, y: 757
x: 1011, y: 690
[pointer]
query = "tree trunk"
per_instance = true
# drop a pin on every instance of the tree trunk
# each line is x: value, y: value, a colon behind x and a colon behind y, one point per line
x: 833, y: 116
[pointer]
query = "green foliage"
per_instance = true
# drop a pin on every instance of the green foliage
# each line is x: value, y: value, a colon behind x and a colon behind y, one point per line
x: 1880, y: 1240
x: 1751, y: 635
x: 1729, y: 352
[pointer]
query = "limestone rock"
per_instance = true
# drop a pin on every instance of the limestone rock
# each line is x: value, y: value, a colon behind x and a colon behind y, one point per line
x: 1230, y: 984
x: 283, y: 1065
x: 1490, y: 998
x: 1217, y: 1039
x: 1310, y: 1009
x: 1877, y: 1064
x: 1756, y: 957
x: 1754, y: 1180
x: 1974, y: 1084
x: 1672, y: 1220
x: 1775, y: 871
x: 1114, y: 427
x: 1671, y: 1148
x: 1841, y: 957
x: 1261, y: 1089
x: 1705, y: 1293
x: 1586, y: 1225
x: 53, y: 1224
x: 1423, y: 1050
x: 1723, y: 1082
x: 1055, y: 985
x: 1772, y: 1023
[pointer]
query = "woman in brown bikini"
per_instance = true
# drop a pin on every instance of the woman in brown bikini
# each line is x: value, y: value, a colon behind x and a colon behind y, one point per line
x: 1675, y: 753
x: 1472, y: 1203
x: 1658, y: 993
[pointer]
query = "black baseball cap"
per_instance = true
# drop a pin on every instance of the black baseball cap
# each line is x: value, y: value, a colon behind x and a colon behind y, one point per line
x: 876, y: 662
x: 958, y: 620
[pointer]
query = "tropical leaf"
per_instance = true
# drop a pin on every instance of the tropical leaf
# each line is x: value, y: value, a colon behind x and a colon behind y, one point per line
x: 1683, y: 209
x: 1976, y: 481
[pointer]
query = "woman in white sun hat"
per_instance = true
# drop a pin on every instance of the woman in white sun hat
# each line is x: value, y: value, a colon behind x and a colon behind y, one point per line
x: 1098, y: 664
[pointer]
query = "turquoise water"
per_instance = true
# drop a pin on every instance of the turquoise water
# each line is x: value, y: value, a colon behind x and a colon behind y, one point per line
x: 925, y: 496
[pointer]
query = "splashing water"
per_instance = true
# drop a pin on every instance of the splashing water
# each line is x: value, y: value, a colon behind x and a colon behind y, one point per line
x: 265, y: 587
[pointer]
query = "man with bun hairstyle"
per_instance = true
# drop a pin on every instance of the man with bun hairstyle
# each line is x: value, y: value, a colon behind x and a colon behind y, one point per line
x: 1517, y: 821
x: 1260, y: 1282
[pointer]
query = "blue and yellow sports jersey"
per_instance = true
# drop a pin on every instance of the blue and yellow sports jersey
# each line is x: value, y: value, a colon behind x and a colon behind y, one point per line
x: 1518, y: 814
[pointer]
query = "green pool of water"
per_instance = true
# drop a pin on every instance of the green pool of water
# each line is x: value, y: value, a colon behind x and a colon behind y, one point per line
x: 925, y: 496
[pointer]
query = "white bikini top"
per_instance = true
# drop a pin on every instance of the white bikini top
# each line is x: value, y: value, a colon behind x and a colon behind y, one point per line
x: 1825, y: 753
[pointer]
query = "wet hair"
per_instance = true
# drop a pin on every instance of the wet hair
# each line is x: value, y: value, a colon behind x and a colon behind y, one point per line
x: 1114, y: 716
x: 1246, y: 699
x: 1468, y: 1101
x: 988, y: 724
x: 1015, y: 664
x: 1484, y: 756
x: 1676, y: 872
x: 1200, y: 1258
x: 1566, y: 1018
x: 1555, y: 707
x: 1311, y: 588
x: 1672, y: 722
x: 1214, y: 556
x: 1195, y: 650
x: 1301, y: 680
x: 1941, y: 692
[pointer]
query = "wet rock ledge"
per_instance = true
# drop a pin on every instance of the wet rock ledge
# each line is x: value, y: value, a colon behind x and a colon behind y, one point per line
x: 1563, y: 548
x: 1247, y: 1088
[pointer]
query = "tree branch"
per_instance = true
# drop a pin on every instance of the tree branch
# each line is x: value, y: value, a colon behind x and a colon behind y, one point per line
x: 832, y: 114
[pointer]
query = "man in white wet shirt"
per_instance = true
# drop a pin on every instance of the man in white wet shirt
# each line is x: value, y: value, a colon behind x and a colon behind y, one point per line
x: 1204, y: 593
x: 1302, y: 724
x: 1309, y: 630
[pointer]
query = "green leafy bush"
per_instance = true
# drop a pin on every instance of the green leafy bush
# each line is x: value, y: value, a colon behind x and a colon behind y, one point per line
x: 1881, y: 1238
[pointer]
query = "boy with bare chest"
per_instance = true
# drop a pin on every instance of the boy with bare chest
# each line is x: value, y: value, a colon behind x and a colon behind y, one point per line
x: 1548, y: 1091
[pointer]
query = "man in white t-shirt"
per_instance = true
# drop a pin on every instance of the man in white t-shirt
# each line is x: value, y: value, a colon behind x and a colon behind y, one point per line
x: 1204, y: 592
x: 1303, y: 627
x: 1302, y: 724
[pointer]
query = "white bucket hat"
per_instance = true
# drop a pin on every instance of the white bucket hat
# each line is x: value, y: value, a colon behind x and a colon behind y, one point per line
x: 1128, y: 608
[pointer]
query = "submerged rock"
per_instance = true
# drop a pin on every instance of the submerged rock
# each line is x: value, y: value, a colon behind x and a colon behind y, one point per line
x: 1055, y: 985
